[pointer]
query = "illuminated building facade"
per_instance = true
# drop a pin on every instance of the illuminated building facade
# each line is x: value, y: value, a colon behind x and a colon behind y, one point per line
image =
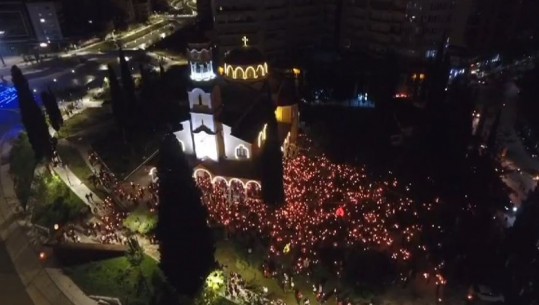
x: 410, y: 28
x: 15, y: 23
x: 44, y: 17
x: 229, y: 113
x: 278, y: 28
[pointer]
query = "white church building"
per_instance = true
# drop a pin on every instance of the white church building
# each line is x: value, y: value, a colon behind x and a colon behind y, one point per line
x: 228, y: 112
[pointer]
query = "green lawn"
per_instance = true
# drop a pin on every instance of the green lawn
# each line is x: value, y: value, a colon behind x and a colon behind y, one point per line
x: 55, y: 203
x: 79, y: 167
x: 141, y: 221
x: 22, y: 165
x: 117, y: 278
x: 83, y: 120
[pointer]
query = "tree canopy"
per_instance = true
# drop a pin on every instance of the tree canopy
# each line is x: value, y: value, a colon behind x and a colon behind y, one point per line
x: 185, y: 240
x: 52, y: 109
x: 271, y: 166
x: 32, y: 117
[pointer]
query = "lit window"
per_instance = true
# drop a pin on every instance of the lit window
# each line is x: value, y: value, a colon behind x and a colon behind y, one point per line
x: 242, y: 152
x: 430, y: 54
x: 42, y: 20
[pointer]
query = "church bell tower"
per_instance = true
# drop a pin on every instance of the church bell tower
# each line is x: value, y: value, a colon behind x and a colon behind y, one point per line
x: 204, y: 128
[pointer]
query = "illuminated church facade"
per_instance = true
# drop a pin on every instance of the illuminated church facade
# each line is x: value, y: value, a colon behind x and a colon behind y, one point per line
x: 226, y: 129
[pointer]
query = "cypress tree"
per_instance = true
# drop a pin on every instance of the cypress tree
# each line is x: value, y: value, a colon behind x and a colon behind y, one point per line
x: 128, y: 85
x: 52, y: 109
x: 161, y: 70
x: 117, y: 98
x: 493, y: 135
x: 185, y: 240
x: 32, y: 117
x: 271, y: 165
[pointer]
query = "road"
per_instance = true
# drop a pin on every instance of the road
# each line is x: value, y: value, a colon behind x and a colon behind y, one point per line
x: 142, y: 37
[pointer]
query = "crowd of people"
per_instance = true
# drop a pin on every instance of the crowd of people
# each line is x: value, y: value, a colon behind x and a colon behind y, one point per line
x: 237, y: 292
x: 326, y: 204
x: 107, y: 225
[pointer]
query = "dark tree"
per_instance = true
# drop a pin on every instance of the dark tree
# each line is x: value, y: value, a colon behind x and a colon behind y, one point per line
x: 527, y: 104
x: 522, y: 264
x: 125, y: 72
x: 148, y: 103
x: 492, y: 146
x: 271, y: 166
x: 161, y: 70
x: 185, y: 240
x: 128, y: 85
x: 52, y: 109
x: 437, y: 76
x: 117, y: 98
x: 32, y: 117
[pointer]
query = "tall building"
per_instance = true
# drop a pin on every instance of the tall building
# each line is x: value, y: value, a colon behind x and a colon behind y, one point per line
x: 45, y: 20
x: 483, y: 26
x: 142, y: 9
x: 204, y: 12
x: 409, y: 28
x: 14, y: 22
x: 279, y: 28
x: 127, y: 8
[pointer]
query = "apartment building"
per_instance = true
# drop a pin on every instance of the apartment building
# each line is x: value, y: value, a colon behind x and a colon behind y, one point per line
x: 409, y: 28
x: 15, y: 24
x: 279, y: 28
x: 45, y: 20
x: 484, y: 25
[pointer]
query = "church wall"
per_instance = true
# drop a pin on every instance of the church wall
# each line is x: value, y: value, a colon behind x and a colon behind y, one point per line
x: 184, y: 136
x: 198, y: 118
x: 206, y: 146
x: 231, y: 143
x: 283, y: 114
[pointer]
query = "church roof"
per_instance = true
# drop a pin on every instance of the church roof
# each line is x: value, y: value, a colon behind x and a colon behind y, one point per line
x: 204, y: 128
x: 286, y: 95
x: 245, y: 110
x: 244, y: 56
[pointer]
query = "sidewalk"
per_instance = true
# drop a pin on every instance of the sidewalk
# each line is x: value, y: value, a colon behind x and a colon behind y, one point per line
x: 81, y: 190
x: 43, y: 286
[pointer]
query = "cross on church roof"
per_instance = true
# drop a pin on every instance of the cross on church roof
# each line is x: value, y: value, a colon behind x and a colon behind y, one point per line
x: 245, y: 40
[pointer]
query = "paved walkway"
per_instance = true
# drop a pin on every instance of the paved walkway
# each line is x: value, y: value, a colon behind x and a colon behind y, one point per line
x: 42, y: 286
x: 81, y: 189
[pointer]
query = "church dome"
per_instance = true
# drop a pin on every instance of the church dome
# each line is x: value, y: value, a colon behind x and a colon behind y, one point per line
x: 245, y: 63
x: 244, y: 56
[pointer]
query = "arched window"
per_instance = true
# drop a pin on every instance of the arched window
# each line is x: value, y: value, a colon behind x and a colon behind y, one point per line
x: 250, y: 73
x: 242, y: 152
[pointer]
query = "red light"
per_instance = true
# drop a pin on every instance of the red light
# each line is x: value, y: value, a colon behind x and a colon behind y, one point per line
x: 340, y: 212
